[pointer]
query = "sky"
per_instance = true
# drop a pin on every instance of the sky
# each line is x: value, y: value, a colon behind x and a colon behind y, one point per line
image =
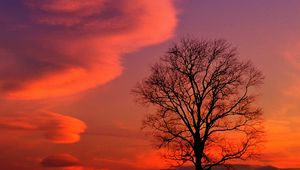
x: 68, y: 66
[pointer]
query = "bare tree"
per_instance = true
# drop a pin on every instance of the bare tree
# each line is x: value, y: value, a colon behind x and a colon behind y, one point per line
x: 204, y: 98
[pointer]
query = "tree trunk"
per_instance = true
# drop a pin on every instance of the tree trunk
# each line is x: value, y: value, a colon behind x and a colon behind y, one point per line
x: 198, y: 165
x: 198, y: 151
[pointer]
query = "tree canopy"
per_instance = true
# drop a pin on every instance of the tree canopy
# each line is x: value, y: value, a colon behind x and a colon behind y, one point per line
x: 204, y: 96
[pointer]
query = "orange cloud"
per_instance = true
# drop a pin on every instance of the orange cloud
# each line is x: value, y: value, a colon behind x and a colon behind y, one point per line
x: 68, y: 46
x: 57, y: 128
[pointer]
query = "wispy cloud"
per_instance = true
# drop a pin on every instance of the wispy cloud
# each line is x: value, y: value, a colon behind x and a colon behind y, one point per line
x: 64, y: 47
x: 55, y: 48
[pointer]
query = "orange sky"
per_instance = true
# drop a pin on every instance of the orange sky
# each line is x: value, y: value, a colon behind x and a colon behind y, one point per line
x: 67, y: 68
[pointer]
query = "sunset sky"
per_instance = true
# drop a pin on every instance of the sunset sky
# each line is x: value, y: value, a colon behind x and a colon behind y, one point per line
x: 68, y: 66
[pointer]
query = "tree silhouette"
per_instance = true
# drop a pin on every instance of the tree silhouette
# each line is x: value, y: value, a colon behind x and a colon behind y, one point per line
x: 204, y: 100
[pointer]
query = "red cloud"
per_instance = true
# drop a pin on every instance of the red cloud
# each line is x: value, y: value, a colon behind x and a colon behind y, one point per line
x: 57, y: 128
x: 66, y: 46
x: 60, y: 160
x: 65, y: 161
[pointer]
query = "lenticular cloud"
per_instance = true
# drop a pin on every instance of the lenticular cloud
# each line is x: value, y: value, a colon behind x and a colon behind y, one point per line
x: 60, y: 47
x: 55, y: 127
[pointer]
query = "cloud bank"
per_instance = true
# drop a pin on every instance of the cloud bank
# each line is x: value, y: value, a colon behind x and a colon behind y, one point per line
x: 60, y: 47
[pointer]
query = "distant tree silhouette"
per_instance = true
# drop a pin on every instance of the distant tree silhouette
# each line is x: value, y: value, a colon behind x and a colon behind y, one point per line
x: 204, y: 98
